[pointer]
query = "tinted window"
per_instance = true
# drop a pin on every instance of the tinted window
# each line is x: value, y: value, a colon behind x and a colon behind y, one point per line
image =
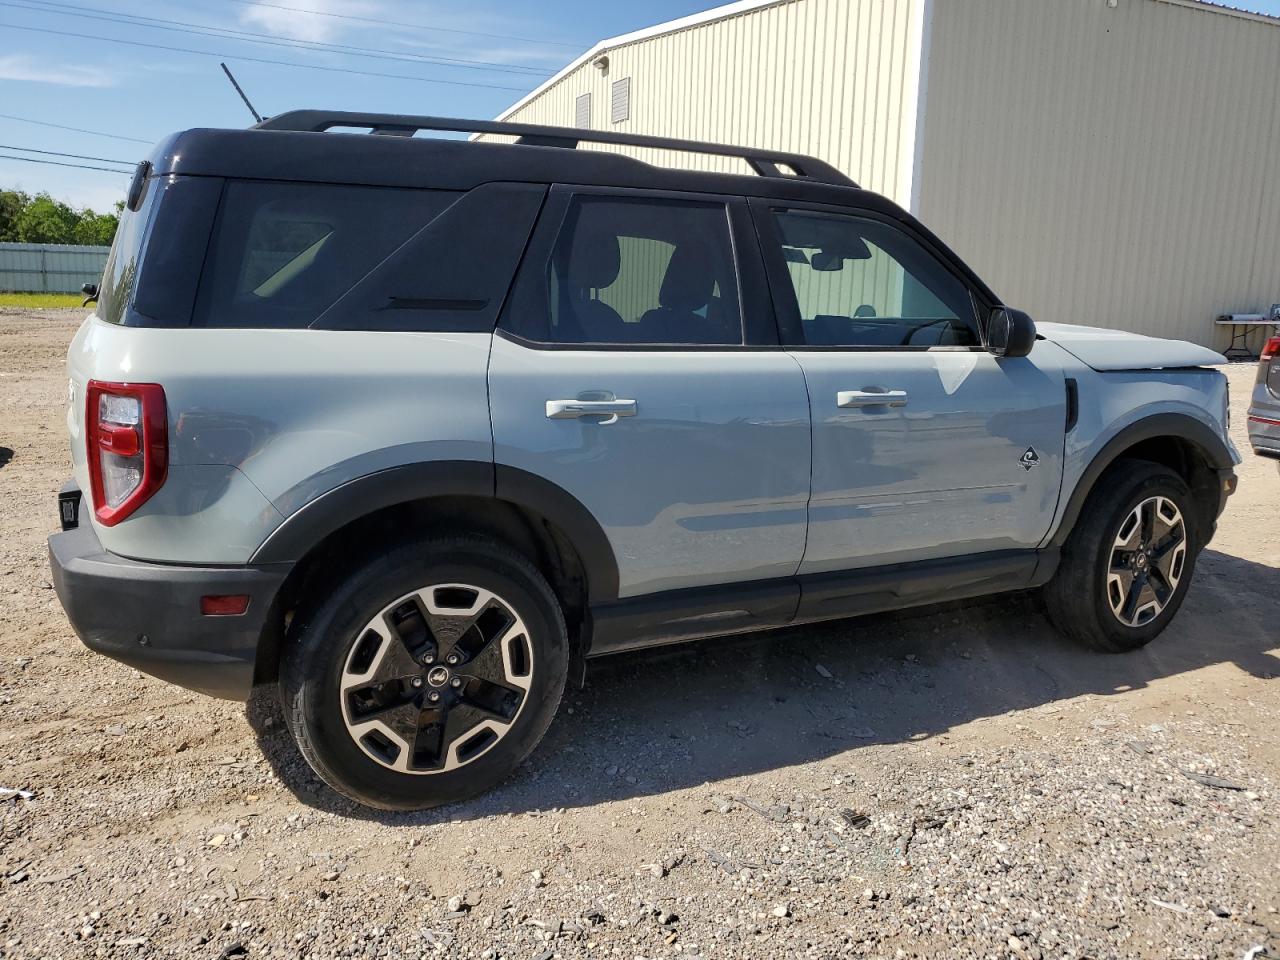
x: 283, y: 253
x: 862, y: 282
x: 453, y: 275
x: 120, y: 276
x: 179, y: 236
x: 641, y: 271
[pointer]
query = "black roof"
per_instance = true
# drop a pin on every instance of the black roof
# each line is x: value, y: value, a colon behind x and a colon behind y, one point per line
x: 293, y: 146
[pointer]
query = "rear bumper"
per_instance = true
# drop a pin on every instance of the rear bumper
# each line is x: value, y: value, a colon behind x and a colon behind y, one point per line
x: 1264, y: 430
x: 147, y: 615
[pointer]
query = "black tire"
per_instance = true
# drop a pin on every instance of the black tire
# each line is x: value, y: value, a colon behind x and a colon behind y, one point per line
x: 321, y: 640
x: 1077, y: 599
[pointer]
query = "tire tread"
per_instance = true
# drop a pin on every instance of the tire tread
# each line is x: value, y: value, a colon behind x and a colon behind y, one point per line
x: 298, y: 669
x: 1074, y: 604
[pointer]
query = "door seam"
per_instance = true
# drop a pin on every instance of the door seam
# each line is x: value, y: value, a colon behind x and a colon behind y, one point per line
x: 808, y: 502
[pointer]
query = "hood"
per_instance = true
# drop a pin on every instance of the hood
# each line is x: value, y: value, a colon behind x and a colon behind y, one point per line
x: 1105, y: 349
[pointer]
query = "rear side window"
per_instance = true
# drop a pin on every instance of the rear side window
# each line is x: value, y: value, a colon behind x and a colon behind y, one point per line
x: 641, y: 271
x: 283, y: 253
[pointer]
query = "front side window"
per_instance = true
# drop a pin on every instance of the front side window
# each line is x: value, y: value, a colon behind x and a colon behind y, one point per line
x: 640, y: 271
x: 283, y: 253
x: 860, y: 282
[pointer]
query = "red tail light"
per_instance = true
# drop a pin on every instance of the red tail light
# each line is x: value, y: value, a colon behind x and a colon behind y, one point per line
x: 128, y: 446
x: 1271, y: 349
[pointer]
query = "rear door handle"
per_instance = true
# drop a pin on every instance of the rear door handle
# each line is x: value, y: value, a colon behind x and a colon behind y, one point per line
x: 576, y: 409
x: 871, y: 398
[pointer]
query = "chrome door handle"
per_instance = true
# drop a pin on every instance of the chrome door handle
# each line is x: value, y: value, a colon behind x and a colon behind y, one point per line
x: 576, y: 409
x: 871, y: 398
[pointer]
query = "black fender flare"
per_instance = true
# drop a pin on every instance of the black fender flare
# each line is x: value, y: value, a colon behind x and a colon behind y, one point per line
x: 323, y: 516
x: 1180, y: 425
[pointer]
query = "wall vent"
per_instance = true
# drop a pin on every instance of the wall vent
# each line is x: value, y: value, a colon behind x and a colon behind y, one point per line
x: 582, y: 112
x: 620, y: 100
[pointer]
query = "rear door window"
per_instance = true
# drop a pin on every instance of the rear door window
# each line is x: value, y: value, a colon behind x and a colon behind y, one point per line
x: 639, y: 271
x: 283, y: 253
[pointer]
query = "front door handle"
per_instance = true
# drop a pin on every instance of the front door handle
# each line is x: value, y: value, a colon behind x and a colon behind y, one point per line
x: 871, y: 398
x: 576, y: 409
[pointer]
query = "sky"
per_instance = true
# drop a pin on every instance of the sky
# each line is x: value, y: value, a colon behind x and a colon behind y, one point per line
x: 58, y: 65
x: 63, y: 62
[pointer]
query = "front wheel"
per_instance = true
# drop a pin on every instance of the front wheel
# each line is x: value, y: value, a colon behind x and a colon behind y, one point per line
x: 1127, y: 565
x: 428, y: 675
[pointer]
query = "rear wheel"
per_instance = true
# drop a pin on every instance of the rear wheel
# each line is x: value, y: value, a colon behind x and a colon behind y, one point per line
x: 428, y: 675
x: 1127, y: 565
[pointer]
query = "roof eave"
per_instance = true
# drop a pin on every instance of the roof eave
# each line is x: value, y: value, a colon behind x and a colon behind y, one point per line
x: 647, y: 33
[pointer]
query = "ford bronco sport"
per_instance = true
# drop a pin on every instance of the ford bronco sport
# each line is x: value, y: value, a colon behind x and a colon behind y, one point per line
x: 412, y: 426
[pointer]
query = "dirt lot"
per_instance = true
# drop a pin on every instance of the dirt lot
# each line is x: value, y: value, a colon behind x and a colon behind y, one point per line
x: 951, y: 783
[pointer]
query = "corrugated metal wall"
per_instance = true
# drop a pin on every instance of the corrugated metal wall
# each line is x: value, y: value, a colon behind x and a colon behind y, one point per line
x: 49, y: 267
x: 1109, y: 166
x: 1116, y: 166
x: 832, y: 78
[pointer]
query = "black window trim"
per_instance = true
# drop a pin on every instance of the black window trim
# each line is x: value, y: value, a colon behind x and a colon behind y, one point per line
x: 787, y: 308
x: 759, y: 326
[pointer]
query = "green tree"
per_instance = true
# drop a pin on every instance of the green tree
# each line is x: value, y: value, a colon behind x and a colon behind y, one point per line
x: 95, y: 229
x: 12, y: 203
x: 42, y: 219
x: 46, y: 220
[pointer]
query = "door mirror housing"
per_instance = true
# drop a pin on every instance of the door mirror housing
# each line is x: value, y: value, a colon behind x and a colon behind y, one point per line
x: 1010, y: 333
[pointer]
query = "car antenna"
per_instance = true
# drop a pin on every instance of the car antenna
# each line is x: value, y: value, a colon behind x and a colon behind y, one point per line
x: 256, y: 116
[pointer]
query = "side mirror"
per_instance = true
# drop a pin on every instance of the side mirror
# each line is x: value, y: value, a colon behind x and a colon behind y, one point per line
x: 1010, y: 333
x: 90, y: 291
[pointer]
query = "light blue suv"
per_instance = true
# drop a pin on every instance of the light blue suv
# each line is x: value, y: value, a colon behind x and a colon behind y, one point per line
x: 412, y: 427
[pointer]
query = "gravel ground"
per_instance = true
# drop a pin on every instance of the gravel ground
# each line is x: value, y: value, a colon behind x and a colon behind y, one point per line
x: 956, y: 783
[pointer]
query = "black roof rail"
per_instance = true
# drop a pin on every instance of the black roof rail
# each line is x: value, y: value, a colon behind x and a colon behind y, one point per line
x: 767, y: 163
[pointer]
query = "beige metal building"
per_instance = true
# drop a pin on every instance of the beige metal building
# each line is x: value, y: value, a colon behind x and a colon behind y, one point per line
x: 1108, y: 162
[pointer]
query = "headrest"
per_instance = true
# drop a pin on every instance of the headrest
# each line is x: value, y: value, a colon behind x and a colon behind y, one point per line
x: 594, y: 259
x: 690, y: 279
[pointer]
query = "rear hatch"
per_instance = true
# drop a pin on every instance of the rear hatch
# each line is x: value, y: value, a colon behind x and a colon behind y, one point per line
x: 180, y: 210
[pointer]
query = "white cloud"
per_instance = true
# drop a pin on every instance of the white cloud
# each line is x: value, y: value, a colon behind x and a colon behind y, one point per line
x: 540, y: 56
x: 21, y: 66
x: 442, y: 30
x: 302, y: 24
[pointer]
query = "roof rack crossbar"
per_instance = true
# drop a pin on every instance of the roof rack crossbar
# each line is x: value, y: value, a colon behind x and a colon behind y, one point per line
x: 766, y: 163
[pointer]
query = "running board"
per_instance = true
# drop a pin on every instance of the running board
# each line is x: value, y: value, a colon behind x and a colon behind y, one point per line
x: 680, y: 615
